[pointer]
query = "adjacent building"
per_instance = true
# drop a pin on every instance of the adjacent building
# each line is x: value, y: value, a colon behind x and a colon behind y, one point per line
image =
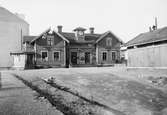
x: 12, y: 29
x: 148, y: 49
x: 63, y: 49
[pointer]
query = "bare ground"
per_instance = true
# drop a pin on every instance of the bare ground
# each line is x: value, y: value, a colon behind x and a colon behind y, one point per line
x: 18, y: 99
x: 126, y: 91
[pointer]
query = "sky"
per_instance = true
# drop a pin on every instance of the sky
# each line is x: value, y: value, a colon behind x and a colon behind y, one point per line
x: 125, y: 18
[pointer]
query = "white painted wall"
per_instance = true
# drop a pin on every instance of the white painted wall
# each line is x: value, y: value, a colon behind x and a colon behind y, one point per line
x: 10, y: 40
x: 19, y: 61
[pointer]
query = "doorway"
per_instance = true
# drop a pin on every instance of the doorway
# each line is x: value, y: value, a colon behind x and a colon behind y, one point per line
x: 73, y: 58
x: 87, y: 57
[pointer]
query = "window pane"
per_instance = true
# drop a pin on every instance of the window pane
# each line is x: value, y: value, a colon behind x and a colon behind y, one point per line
x: 44, y: 56
x: 109, y: 42
x: 56, y: 56
x: 104, y: 56
x: 50, y: 40
x: 113, y: 55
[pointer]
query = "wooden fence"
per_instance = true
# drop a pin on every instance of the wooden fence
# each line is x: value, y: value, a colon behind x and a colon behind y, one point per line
x: 151, y: 56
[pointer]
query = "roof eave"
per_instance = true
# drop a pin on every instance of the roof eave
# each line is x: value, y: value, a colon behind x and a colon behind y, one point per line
x: 40, y: 35
x: 62, y: 37
x: 135, y: 44
x: 105, y: 34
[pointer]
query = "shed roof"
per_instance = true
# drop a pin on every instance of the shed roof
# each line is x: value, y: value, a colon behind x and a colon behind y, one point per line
x: 149, y: 37
x: 22, y: 52
x: 28, y: 38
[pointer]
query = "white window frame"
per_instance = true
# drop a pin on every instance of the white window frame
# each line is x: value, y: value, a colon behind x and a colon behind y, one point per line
x: 47, y: 55
x: 53, y: 55
x: 106, y: 55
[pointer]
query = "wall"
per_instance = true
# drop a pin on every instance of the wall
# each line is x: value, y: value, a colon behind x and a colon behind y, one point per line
x: 59, y: 45
x: 115, y: 47
x: 19, y: 61
x: 151, y: 56
x: 10, y: 40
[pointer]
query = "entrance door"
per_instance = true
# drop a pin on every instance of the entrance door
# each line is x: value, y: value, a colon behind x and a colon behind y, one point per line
x: 87, y: 57
x: 30, y: 61
x: 74, y: 58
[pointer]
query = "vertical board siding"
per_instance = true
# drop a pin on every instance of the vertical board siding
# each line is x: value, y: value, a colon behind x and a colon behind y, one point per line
x: 151, y: 56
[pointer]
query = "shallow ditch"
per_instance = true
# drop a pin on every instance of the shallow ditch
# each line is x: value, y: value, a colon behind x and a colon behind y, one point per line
x: 68, y: 101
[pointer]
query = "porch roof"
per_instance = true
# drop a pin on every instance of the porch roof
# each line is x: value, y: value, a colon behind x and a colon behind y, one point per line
x: 28, y: 38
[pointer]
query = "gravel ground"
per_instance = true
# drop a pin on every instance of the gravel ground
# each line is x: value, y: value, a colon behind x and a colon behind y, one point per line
x: 127, y: 91
x: 17, y: 99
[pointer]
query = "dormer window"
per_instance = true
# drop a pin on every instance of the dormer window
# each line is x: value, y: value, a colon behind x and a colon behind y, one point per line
x: 109, y: 42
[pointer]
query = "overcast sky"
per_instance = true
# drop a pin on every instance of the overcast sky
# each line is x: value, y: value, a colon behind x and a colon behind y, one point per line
x: 125, y: 18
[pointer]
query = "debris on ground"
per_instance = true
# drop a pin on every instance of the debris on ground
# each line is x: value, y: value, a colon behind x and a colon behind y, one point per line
x: 160, y: 81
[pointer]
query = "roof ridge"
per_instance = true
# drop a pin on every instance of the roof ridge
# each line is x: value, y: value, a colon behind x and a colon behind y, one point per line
x: 148, y: 37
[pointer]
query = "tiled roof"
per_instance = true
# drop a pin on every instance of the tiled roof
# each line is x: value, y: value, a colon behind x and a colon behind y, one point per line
x: 88, y: 37
x: 8, y: 16
x: 149, y: 37
x: 28, y: 38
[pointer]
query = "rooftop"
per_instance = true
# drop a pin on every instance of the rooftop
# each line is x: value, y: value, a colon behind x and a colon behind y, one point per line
x: 149, y: 37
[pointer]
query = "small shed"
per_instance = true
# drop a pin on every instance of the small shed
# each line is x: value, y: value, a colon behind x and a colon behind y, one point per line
x: 23, y: 59
x: 148, y: 49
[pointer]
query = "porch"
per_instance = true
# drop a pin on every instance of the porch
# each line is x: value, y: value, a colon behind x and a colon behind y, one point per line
x: 84, y: 57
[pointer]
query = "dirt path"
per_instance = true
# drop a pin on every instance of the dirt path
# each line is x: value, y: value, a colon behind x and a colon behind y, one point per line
x: 17, y: 99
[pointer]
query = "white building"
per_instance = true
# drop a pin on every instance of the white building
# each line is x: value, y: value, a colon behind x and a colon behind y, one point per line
x: 12, y: 28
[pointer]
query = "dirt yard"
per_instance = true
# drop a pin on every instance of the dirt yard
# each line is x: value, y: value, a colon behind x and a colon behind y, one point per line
x: 127, y: 91
x: 17, y: 99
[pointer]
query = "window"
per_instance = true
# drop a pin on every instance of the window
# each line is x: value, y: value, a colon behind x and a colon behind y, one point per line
x: 109, y: 41
x: 44, y: 56
x: 113, y: 55
x: 104, y: 56
x: 56, y: 56
x: 50, y: 40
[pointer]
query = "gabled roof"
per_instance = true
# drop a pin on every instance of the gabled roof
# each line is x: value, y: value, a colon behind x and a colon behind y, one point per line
x: 71, y: 37
x: 6, y: 15
x: 47, y: 30
x: 149, y: 37
x: 105, y: 34
x: 88, y: 37
x: 61, y: 36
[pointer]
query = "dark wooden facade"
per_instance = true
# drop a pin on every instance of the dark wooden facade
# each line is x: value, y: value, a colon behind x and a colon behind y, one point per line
x: 62, y: 49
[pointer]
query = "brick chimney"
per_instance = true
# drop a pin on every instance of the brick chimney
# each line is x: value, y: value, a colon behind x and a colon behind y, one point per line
x: 59, y: 28
x: 91, y: 29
